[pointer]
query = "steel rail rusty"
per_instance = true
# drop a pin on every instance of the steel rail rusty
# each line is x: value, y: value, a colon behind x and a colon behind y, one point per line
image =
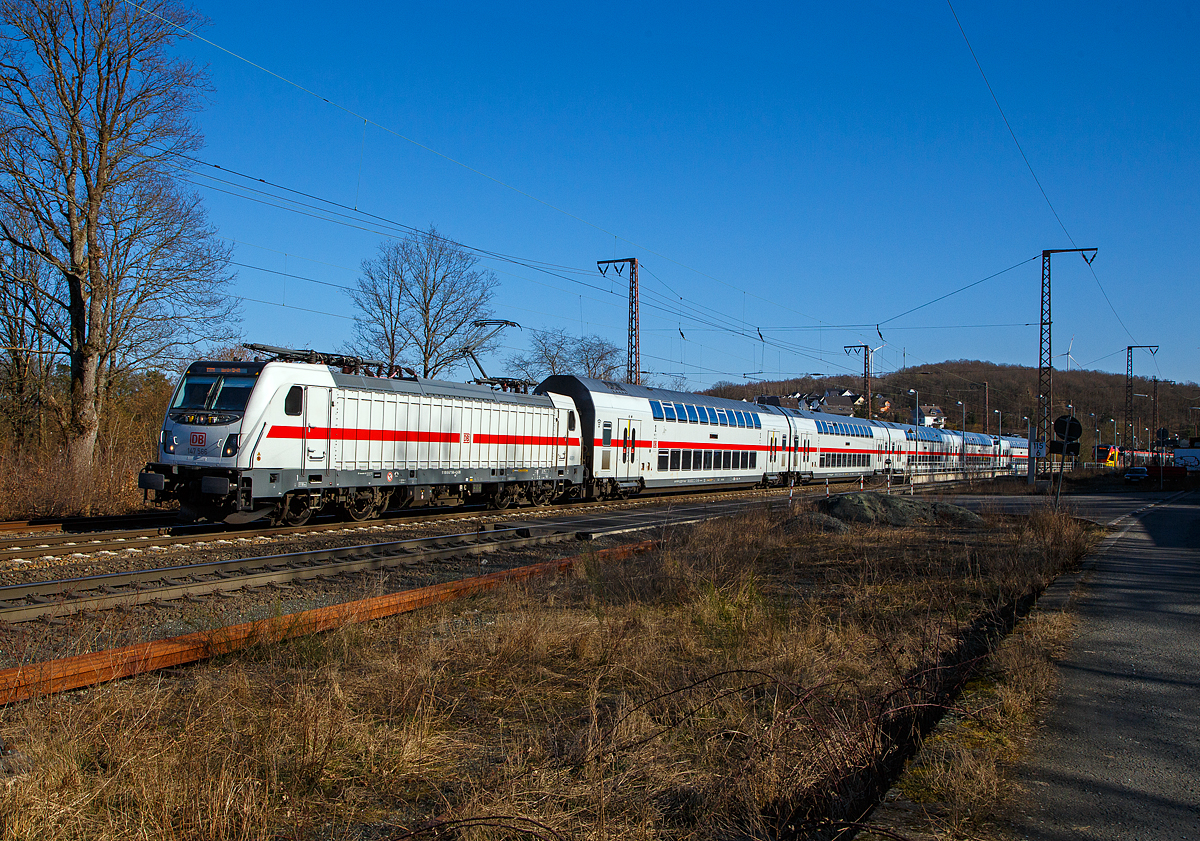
x: 30, y: 681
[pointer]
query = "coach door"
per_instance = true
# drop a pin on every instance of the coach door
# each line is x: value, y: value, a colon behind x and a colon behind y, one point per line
x: 627, y: 463
x: 317, y: 417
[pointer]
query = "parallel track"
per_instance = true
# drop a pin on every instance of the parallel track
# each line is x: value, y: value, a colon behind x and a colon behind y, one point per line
x: 50, y: 599
x: 53, y: 599
x: 27, y: 547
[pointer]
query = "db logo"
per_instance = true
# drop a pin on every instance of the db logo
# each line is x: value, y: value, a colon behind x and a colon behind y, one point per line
x: 197, y: 439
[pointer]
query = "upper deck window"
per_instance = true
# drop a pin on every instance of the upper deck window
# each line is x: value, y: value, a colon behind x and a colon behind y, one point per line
x: 669, y: 410
x: 656, y: 409
x: 691, y: 414
x: 210, y: 392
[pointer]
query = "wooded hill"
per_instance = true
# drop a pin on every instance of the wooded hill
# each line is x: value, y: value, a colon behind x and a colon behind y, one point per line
x: 984, y: 387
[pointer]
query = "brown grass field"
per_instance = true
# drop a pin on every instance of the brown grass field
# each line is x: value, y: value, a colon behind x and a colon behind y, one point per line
x: 751, y: 679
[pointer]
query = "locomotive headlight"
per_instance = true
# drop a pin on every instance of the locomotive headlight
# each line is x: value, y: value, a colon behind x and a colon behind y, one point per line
x: 167, y: 442
x: 231, y: 446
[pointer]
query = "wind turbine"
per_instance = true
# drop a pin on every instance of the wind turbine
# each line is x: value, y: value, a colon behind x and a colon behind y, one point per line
x: 1070, y: 358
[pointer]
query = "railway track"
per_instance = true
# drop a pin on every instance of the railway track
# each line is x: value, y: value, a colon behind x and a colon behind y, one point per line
x: 52, y: 599
x: 25, y: 548
x: 94, y: 593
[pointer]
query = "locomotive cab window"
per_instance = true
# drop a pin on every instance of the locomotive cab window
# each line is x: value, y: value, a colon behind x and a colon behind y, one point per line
x: 214, y: 391
x: 293, y: 404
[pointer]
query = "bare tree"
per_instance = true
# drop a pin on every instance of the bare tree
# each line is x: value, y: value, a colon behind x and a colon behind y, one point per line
x: 29, y: 355
x: 600, y: 359
x: 550, y: 352
x: 559, y: 352
x: 94, y: 124
x: 418, y: 301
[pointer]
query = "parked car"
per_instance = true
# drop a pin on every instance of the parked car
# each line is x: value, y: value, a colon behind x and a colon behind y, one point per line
x: 1136, y: 475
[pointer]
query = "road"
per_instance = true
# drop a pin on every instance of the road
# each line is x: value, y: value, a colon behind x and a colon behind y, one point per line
x: 1105, y: 509
x: 1118, y: 756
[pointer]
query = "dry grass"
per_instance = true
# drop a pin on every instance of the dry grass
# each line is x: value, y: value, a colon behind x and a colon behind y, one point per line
x: 35, y: 486
x: 962, y: 775
x: 745, y: 678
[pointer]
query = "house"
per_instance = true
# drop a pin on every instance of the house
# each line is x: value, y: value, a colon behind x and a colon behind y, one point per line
x: 840, y: 404
x: 932, y: 416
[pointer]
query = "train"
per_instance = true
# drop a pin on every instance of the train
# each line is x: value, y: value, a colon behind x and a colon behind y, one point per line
x: 301, y: 432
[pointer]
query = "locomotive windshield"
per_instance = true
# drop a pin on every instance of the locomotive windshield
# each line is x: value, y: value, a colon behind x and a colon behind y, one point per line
x: 210, y: 392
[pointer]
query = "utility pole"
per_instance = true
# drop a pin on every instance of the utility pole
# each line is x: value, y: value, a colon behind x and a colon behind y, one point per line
x: 866, y: 352
x: 1154, y: 415
x: 1129, y: 349
x: 1045, y: 363
x: 633, y: 358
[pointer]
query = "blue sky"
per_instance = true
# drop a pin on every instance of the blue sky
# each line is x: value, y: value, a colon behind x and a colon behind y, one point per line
x: 810, y: 171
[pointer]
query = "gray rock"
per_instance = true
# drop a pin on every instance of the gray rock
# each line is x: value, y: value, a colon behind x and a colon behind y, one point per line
x: 813, y: 521
x: 882, y: 509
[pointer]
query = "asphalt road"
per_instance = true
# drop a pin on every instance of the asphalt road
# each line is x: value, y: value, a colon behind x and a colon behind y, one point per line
x: 1118, y: 756
x: 1105, y: 508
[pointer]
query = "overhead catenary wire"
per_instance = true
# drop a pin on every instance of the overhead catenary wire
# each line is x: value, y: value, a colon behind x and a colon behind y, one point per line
x: 1024, y: 157
x: 367, y: 120
x: 264, y: 197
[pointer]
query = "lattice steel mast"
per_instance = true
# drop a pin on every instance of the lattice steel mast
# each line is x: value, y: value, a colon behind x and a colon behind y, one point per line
x: 633, y: 357
x: 1129, y: 349
x: 1043, y: 430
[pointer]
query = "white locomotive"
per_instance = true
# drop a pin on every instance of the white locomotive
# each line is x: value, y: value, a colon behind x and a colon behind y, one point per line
x: 284, y: 438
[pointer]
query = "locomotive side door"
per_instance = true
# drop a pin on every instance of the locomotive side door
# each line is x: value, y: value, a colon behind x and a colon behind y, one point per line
x: 317, y: 421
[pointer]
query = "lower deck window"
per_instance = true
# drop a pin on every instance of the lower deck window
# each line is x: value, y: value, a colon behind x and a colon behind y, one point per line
x: 708, y: 459
x: 674, y: 459
x: 664, y: 459
x: 726, y: 459
x: 687, y: 460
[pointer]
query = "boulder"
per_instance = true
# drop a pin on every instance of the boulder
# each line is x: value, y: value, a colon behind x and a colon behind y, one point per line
x: 882, y: 509
x: 813, y: 521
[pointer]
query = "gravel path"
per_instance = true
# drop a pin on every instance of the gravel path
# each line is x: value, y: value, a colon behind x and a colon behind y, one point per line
x: 1119, y: 755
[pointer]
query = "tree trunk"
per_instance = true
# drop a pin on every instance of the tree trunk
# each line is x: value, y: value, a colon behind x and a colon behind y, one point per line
x: 83, y: 425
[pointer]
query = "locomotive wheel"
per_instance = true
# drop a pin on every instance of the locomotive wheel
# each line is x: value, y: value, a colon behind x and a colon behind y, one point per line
x: 505, y: 496
x: 540, y: 493
x: 364, y: 506
x: 296, y: 510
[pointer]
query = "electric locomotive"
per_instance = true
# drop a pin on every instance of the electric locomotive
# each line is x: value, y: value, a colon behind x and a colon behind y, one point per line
x: 284, y: 438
